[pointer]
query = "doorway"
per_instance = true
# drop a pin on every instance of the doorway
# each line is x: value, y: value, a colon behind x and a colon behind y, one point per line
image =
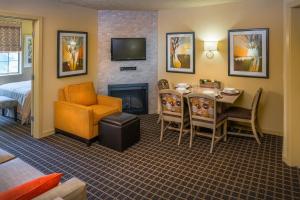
x: 291, y: 85
x: 16, y: 72
x: 32, y: 58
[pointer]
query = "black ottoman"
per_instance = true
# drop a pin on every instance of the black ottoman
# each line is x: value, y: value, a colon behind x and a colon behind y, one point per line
x: 119, y: 131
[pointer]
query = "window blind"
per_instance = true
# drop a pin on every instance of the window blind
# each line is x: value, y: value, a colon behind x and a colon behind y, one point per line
x: 10, y: 35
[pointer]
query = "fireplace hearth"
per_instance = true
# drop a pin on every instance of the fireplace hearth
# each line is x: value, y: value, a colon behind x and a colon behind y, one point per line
x: 134, y: 97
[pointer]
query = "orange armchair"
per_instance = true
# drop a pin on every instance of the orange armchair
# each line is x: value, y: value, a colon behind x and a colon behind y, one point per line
x: 79, y: 109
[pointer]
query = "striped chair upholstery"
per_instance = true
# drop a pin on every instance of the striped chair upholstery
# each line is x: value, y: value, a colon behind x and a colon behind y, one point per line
x: 173, y: 113
x: 203, y: 113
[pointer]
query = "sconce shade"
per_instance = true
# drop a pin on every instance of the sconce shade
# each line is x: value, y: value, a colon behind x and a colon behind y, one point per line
x: 210, y: 45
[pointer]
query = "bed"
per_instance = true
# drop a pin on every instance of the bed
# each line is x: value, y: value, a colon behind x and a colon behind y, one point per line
x: 21, y: 91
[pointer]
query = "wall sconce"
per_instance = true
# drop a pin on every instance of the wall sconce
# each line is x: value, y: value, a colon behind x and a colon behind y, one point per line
x: 210, y: 47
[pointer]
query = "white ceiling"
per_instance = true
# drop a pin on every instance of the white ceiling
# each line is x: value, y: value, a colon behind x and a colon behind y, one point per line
x: 144, y: 4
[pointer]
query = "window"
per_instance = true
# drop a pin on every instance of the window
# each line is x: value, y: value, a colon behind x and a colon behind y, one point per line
x: 10, y: 46
x: 10, y: 62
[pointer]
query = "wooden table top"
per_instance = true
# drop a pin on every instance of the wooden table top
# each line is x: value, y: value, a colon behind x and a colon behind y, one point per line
x: 230, y: 99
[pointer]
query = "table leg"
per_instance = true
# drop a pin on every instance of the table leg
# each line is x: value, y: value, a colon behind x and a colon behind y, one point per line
x: 16, y: 113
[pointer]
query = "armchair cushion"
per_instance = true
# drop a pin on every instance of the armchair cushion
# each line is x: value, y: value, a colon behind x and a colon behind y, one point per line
x: 83, y: 94
x: 110, y: 101
x: 100, y: 111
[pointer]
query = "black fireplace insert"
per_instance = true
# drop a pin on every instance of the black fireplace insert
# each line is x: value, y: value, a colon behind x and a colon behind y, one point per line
x: 134, y: 97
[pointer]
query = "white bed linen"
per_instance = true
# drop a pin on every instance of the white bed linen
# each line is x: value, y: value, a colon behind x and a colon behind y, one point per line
x: 21, y: 91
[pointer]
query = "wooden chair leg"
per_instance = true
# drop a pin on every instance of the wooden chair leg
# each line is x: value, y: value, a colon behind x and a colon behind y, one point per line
x: 225, y: 131
x: 180, y: 133
x: 16, y: 113
x: 159, y: 118
x: 191, y: 135
x: 258, y: 128
x: 255, y: 132
x: 212, y: 141
x: 162, y: 130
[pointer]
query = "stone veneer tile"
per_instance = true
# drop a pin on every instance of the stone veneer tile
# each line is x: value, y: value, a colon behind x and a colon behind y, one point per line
x: 128, y: 24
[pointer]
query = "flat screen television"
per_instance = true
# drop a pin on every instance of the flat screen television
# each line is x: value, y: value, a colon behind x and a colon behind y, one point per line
x: 126, y: 49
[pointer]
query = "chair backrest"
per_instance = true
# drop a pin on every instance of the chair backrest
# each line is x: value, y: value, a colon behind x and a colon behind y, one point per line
x: 171, y: 103
x: 61, y: 95
x: 163, y: 84
x: 202, y: 108
x: 83, y: 94
x: 206, y: 83
x: 255, y: 103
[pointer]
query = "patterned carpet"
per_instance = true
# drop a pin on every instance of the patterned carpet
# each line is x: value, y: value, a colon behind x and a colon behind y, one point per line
x: 238, y: 169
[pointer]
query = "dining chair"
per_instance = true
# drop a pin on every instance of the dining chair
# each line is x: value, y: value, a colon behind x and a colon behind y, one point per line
x: 207, y: 83
x: 248, y: 116
x: 162, y: 84
x: 203, y: 114
x: 173, y: 114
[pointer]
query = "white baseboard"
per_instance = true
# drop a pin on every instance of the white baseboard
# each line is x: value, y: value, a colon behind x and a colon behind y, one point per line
x: 48, y: 133
x: 288, y: 162
x: 272, y: 132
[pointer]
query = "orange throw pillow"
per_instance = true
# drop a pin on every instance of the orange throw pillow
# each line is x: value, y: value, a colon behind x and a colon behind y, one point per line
x: 32, y: 188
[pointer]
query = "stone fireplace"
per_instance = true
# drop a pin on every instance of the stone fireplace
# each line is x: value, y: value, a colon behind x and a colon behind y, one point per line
x: 128, y: 24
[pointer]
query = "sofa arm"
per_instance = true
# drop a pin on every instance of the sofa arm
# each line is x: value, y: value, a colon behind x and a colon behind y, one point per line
x: 73, y: 189
x: 110, y: 101
x: 74, y: 118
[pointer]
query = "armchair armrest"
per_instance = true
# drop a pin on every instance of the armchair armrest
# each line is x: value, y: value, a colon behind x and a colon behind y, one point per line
x: 74, y: 118
x: 73, y: 189
x: 110, y: 101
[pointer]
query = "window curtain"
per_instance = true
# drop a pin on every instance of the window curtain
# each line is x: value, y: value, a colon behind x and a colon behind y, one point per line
x: 10, y: 35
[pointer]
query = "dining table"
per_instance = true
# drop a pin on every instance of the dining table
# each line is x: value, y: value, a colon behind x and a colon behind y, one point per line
x: 221, y: 97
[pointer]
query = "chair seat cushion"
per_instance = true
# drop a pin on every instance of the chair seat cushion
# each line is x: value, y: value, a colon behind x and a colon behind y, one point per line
x: 238, y: 112
x: 16, y: 172
x: 221, y: 117
x: 101, y: 111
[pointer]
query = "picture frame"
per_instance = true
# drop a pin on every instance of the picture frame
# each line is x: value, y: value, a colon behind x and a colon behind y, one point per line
x: 180, y: 52
x: 248, y: 52
x: 27, y: 56
x: 72, y: 53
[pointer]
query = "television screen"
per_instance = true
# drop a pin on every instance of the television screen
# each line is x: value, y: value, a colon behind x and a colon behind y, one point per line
x: 128, y: 49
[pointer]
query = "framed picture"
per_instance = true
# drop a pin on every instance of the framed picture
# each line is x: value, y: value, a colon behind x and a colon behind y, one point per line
x: 28, y: 51
x: 180, y: 54
x: 248, y: 52
x: 72, y: 53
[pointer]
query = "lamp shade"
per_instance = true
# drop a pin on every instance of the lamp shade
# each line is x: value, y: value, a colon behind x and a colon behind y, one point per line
x: 210, y: 45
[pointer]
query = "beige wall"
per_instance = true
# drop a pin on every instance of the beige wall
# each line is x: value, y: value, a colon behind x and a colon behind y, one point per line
x: 57, y: 17
x: 291, y: 42
x: 212, y: 23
